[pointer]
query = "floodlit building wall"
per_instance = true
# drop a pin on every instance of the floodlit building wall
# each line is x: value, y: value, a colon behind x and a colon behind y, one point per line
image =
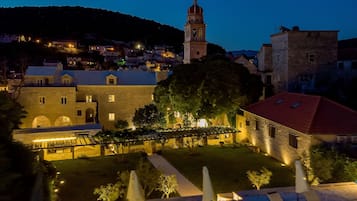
x: 53, y: 106
x: 127, y: 99
x: 278, y: 146
x: 242, y: 135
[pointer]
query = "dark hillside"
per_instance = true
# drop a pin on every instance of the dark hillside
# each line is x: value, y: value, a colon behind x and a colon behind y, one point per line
x: 348, y: 43
x: 78, y: 22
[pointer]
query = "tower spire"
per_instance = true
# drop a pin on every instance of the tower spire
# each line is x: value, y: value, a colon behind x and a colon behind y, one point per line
x: 195, y: 5
x: 195, y: 44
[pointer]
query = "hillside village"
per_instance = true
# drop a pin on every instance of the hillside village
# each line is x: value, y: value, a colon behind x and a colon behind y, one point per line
x: 75, y: 103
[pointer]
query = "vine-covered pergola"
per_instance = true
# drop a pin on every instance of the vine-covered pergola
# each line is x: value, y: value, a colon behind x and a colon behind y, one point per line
x: 158, y: 135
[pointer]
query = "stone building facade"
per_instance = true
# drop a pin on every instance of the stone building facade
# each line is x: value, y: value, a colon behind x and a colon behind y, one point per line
x: 56, y: 97
x: 347, y: 63
x: 55, y: 106
x: 265, y: 67
x: 300, y: 60
x: 286, y: 125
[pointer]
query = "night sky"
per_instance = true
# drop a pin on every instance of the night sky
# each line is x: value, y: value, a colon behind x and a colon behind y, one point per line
x: 233, y: 24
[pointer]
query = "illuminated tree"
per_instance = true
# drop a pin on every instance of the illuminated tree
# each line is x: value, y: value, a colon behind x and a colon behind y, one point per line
x: 109, y: 192
x: 148, y: 176
x: 167, y: 185
x: 148, y: 117
x: 121, y: 124
x: 259, y: 179
x: 350, y: 170
x: 328, y: 165
x: 112, y: 192
x: 208, y: 89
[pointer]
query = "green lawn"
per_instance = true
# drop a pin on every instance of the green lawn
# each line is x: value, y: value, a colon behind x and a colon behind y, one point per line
x: 227, y: 167
x: 83, y: 175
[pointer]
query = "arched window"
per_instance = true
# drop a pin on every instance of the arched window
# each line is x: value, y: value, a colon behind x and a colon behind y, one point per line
x: 40, y: 122
x: 63, y: 121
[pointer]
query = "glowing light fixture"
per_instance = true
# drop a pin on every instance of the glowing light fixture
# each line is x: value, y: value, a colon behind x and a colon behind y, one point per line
x: 202, y: 123
x: 54, y: 139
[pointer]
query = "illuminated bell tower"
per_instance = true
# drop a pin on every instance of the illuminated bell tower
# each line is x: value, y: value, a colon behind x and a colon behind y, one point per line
x: 195, y: 45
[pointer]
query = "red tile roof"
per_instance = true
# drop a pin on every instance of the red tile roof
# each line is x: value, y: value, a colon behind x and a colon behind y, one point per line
x: 308, y: 114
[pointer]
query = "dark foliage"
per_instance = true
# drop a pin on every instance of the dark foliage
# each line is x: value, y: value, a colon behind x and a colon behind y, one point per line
x: 213, y: 49
x: 208, y: 88
x: 16, y: 161
x: 11, y: 113
x: 16, y: 172
x: 17, y: 56
x: 148, y: 117
x: 331, y: 165
x: 78, y: 23
x: 121, y: 124
x: 349, y: 43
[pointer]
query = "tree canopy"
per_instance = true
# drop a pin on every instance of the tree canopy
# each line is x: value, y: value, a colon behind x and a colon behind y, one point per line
x: 328, y: 165
x: 148, y: 117
x: 207, y: 89
x: 16, y: 169
x: 11, y: 113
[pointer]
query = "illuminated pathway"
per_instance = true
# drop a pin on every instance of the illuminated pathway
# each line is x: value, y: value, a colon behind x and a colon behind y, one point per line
x: 185, y: 187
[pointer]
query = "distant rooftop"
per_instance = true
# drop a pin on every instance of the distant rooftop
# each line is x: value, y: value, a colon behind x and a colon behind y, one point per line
x: 124, y: 77
x: 81, y: 77
x: 41, y: 70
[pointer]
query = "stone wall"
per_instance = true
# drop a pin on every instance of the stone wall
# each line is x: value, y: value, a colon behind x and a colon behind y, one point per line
x: 280, y: 61
x: 277, y: 146
x: 264, y: 57
x: 127, y: 100
x: 302, y: 58
x: 52, y: 107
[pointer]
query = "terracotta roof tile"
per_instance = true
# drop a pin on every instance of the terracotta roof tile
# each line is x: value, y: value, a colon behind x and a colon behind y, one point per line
x: 308, y: 114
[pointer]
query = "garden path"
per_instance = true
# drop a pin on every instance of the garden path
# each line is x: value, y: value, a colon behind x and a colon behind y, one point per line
x: 185, y: 187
